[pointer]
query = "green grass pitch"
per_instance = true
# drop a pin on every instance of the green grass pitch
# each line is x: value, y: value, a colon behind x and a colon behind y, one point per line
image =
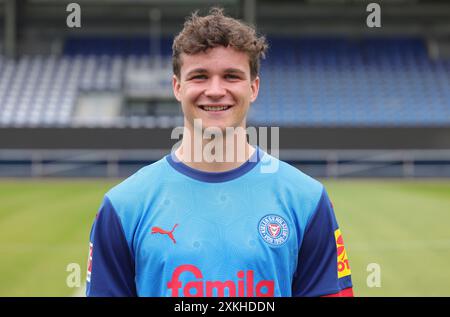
x: 403, y: 226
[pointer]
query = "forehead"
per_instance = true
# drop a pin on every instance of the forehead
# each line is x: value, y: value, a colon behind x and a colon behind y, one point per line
x: 215, y: 60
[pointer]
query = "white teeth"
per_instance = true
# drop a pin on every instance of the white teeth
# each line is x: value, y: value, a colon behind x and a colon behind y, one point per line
x: 215, y: 108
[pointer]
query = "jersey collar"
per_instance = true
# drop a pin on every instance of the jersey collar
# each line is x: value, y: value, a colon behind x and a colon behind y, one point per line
x: 215, y: 177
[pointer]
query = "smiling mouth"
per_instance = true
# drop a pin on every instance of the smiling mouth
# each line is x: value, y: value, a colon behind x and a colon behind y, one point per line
x: 215, y: 108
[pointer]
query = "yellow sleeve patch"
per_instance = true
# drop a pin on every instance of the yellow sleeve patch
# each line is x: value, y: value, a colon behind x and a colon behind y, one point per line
x: 342, y: 259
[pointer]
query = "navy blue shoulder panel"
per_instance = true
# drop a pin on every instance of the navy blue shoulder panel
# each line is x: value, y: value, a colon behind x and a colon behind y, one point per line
x: 317, y: 271
x: 113, y: 272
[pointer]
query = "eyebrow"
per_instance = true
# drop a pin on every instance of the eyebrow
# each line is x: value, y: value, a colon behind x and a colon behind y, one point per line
x: 196, y: 71
x: 234, y: 70
x: 204, y: 70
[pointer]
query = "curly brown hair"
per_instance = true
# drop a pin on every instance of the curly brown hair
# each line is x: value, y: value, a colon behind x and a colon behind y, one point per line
x: 202, y: 33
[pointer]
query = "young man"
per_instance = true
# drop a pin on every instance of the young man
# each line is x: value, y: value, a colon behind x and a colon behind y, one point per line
x: 190, y: 225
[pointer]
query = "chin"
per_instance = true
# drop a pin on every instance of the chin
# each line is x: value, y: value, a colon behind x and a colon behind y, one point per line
x: 220, y: 126
x: 208, y: 123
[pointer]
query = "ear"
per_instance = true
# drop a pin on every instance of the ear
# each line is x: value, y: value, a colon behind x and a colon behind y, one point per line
x: 176, y: 87
x: 255, y: 88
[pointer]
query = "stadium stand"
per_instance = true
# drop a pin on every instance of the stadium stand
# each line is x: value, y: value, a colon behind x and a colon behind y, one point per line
x: 350, y: 101
x: 305, y: 82
x: 337, y: 82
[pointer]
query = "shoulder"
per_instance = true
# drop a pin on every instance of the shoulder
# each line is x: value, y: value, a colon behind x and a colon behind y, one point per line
x: 301, y: 190
x: 129, y: 195
x: 292, y: 177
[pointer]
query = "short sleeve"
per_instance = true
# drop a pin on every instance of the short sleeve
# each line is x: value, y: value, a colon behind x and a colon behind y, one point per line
x: 111, y: 269
x: 322, y: 267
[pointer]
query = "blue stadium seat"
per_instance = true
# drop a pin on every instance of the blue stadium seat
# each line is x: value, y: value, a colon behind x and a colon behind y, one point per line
x: 305, y: 82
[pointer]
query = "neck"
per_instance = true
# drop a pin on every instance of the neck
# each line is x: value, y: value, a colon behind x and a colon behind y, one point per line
x: 218, y: 154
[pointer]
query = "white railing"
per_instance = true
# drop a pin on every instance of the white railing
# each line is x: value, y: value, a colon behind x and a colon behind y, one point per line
x: 330, y: 163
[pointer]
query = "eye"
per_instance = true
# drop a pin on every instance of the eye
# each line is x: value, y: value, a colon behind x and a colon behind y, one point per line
x: 198, y: 77
x: 232, y: 76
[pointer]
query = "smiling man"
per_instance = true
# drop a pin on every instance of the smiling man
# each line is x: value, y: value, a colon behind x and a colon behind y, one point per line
x: 199, y: 227
x: 215, y: 87
x: 216, y: 64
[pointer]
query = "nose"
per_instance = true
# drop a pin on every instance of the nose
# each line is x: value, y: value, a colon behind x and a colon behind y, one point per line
x: 215, y: 88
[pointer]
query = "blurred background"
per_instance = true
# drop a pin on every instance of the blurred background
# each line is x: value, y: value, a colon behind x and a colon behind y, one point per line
x: 365, y: 110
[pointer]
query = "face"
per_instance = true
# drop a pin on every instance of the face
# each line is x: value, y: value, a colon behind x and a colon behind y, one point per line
x: 215, y: 86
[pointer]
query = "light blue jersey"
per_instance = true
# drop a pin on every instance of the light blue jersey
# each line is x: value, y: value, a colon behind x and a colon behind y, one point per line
x: 170, y: 230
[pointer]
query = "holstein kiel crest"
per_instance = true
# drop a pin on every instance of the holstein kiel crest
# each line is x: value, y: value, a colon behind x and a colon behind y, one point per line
x: 273, y: 229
